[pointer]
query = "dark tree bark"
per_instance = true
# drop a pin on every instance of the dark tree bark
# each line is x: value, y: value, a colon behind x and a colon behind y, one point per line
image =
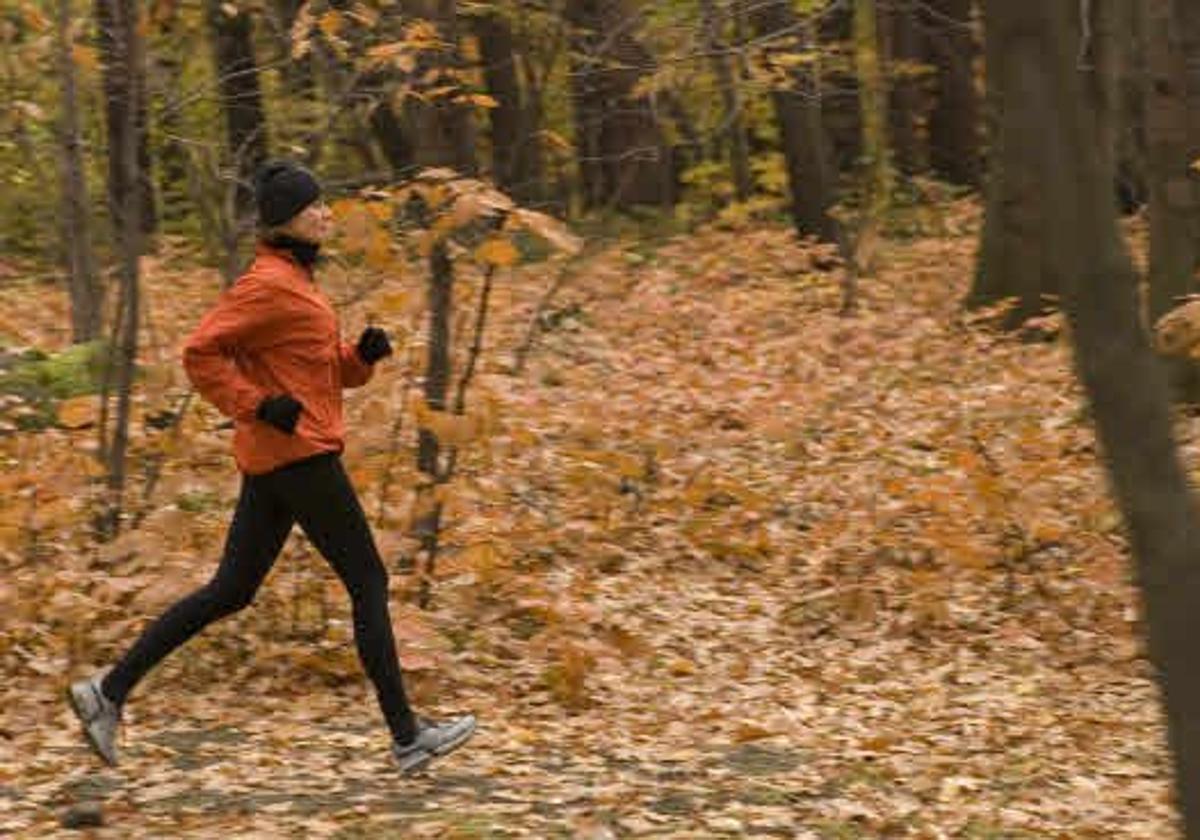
x: 175, y: 200
x: 442, y: 130
x: 798, y: 110
x: 516, y: 147
x: 1173, y: 139
x: 122, y: 90
x: 393, y: 137
x: 1131, y: 185
x: 735, y: 124
x: 624, y: 159
x: 954, y: 128
x: 1123, y: 380
x: 241, y: 95
x: 128, y: 231
x: 83, y: 281
x: 905, y: 52
x: 1014, y: 250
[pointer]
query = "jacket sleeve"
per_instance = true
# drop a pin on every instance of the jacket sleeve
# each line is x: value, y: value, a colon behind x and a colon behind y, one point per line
x: 355, y: 372
x: 241, y: 313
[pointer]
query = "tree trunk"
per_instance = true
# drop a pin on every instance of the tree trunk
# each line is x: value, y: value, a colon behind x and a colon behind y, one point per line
x: 954, y: 121
x: 128, y: 230
x: 124, y: 89
x: 437, y: 386
x: 1123, y: 381
x: 1173, y: 145
x: 872, y: 97
x: 1132, y: 185
x: 734, y: 125
x: 84, y: 283
x: 1013, y: 251
x: 624, y: 159
x: 241, y: 96
x: 905, y: 54
x: 798, y: 110
x: 514, y: 145
x: 174, y: 197
x: 393, y: 137
x: 443, y: 133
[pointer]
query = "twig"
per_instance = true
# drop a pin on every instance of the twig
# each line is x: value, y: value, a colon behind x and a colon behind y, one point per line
x: 154, y: 470
x: 534, y: 329
x: 460, y: 394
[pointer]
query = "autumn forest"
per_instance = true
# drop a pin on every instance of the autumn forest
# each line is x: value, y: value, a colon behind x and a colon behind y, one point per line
x: 772, y: 418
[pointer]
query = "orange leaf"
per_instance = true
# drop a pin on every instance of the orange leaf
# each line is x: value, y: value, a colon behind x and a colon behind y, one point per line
x: 330, y: 23
x: 78, y: 412
x: 497, y: 251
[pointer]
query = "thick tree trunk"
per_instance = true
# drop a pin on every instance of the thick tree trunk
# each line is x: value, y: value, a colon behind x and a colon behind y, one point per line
x: 954, y: 130
x: 123, y: 89
x: 1173, y: 141
x: 1123, y: 381
x: 393, y: 137
x: 906, y: 51
x: 241, y: 96
x: 443, y: 134
x: 515, y: 144
x: 798, y: 110
x: 175, y: 200
x: 83, y: 280
x: 624, y: 158
x: 735, y: 124
x: 1132, y: 185
x: 1014, y: 247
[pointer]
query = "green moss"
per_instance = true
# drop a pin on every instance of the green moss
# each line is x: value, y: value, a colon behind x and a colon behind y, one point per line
x: 198, y: 501
x: 40, y: 377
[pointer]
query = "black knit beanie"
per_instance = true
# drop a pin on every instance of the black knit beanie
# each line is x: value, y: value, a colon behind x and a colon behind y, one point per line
x: 283, y: 189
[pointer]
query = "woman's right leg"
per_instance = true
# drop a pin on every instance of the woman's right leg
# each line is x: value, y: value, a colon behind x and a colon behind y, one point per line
x: 256, y: 535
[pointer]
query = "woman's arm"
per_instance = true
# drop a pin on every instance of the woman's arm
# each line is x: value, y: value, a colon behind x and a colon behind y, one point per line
x: 248, y: 309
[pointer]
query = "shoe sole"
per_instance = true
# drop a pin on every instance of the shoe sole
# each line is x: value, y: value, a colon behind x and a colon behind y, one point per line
x: 87, y: 732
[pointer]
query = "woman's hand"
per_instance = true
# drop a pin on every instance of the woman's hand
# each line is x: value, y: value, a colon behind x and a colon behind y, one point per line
x: 373, y: 345
x: 282, y: 412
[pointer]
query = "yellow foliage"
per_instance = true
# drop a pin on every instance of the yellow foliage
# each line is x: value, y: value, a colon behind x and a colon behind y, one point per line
x: 550, y: 229
x: 330, y: 23
x: 452, y: 429
x: 85, y: 57
x: 497, y: 251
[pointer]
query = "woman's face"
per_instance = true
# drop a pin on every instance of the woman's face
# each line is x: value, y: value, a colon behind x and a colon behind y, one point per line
x: 312, y: 224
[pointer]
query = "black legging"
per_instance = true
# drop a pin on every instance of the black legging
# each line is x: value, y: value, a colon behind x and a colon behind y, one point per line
x: 317, y: 494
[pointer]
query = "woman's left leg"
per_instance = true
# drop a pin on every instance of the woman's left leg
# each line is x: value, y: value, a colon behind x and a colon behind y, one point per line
x: 322, y: 499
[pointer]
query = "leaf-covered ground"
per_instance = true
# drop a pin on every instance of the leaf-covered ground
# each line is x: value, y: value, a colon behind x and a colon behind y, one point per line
x: 720, y: 563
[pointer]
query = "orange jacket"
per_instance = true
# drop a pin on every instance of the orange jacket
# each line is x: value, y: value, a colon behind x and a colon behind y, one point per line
x: 274, y: 332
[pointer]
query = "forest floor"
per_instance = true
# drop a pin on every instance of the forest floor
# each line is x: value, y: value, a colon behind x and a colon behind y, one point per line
x: 723, y: 564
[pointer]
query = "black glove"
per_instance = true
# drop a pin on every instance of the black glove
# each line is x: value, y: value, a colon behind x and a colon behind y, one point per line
x: 373, y: 345
x: 282, y: 412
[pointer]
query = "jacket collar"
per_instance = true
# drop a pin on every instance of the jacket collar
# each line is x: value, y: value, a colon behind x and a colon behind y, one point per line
x: 303, y: 255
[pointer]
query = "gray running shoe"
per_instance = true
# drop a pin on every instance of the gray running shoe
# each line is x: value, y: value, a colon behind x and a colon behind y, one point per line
x: 434, y: 739
x: 101, y: 717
